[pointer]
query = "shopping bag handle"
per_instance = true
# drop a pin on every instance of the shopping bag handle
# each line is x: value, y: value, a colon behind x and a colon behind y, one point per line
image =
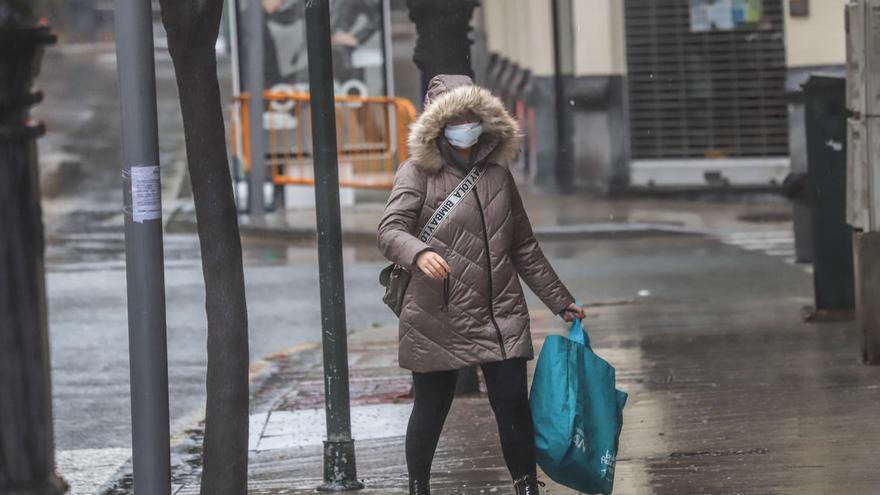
x: 577, y: 332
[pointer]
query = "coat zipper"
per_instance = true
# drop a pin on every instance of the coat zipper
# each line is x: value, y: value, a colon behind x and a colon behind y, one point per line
x: 489, y: 266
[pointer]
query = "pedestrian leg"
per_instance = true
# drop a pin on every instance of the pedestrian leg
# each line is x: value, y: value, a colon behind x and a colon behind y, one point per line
x: 432, y: 393
x: 507, y: 385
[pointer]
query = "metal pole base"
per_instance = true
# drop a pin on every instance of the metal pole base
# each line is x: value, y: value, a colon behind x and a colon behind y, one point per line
x: 810, y: 314
x: 339, y: 467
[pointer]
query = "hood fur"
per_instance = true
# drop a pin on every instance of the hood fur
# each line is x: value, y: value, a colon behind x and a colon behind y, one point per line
x: 452, y: 103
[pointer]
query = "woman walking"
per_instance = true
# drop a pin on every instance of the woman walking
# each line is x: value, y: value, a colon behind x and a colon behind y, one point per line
x: 464, y: 304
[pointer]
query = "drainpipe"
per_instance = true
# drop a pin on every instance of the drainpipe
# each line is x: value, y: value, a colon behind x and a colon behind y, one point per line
x: 254, y: 84
x: 563, y: 69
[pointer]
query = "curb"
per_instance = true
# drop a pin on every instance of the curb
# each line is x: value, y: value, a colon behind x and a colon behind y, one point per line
x: 613, y: 230
x: 182, y: 222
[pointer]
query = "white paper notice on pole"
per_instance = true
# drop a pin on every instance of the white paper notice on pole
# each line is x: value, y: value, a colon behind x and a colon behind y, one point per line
x: 146, y: 193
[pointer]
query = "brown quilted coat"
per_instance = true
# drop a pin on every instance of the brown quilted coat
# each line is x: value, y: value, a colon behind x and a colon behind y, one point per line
x: 487, y: 241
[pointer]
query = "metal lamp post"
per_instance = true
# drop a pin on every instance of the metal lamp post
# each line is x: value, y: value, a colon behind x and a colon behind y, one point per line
x: 339, y: 463
x: 144, y: 260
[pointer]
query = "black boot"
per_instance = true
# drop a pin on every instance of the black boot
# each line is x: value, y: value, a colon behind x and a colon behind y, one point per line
x: 420, y: 487
x: 527, y: 485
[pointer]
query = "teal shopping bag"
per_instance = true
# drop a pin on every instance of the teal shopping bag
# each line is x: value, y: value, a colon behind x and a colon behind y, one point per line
x: 577, y: 412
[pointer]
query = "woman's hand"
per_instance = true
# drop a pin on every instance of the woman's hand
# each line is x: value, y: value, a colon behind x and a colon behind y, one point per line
x: 573, y: 311
x: 433, y: 265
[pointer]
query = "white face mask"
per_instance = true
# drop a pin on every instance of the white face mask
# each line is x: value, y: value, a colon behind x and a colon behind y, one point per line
x: 463, y: 135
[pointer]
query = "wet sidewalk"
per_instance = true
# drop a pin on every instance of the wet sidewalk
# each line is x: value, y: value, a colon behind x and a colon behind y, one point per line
x: 730, y: 391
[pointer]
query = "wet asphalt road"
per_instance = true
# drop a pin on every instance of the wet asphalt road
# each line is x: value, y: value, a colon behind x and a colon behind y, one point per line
x: 88, y: 325
x: 730, y: 391
x: 88, y: 322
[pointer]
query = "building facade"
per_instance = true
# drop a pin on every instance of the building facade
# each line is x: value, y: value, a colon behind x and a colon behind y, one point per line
x: 658, y: 94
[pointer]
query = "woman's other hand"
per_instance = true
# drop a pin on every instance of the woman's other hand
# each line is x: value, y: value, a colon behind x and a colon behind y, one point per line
x: 433, y: 265
x: 573, y: 311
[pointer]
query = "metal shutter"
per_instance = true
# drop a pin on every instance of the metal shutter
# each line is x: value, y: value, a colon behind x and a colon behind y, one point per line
x: 705, y: 95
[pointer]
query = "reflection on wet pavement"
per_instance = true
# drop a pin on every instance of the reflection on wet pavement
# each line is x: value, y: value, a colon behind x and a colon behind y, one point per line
x: 730, y: 392
x: 105, y: 250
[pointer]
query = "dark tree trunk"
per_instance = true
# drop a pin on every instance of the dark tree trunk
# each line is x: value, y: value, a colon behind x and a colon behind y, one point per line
x: 192, y: 28
x: 27, y: 463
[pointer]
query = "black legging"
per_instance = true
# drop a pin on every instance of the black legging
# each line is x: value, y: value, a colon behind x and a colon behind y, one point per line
x: 433, y: 392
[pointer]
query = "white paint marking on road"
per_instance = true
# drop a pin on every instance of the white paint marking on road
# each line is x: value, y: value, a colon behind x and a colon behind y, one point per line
x: 758, y: 242
x: 257, y: 424
x: 781, y: 252
x: 772, y: 243
x: 759, y: 234
x: 780, y: 238
x: 307, y: 427
x: 755, y: 242
x: 87, y: 470
x: 762, y: 246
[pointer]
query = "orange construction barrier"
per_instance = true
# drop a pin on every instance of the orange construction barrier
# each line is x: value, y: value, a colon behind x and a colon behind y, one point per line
x: 370, y: 131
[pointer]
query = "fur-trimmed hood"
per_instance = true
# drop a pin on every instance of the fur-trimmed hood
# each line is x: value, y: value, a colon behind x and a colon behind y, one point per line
x: 448, y: 97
